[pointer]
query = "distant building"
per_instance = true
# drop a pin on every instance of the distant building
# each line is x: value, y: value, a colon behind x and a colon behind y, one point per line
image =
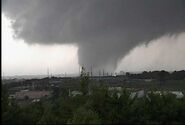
x: 74, y: 93
x: 122, y: 73
x: 31, y: 94
x: 36, y: 100
x: 138, y: 94
x: 115, y: 88
x: 148, y: 80
x: 178, y: 94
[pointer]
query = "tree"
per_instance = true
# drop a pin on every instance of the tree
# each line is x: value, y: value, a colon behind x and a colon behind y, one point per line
x: 55, y: 93
x: 162, y: 76
x: 4, y: 99
x: 85, y: 116
x: 84, y: 81
x: 101, y: 101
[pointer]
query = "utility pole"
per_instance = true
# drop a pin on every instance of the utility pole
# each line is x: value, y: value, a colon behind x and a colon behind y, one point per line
x: 69, y: 92
x: 48, y: 75
x: 3, y: 76
x: 91, y: 71
x: 33, y: 85
x: 99, y: 73
x: 48, y: 72
x: 79, y: 70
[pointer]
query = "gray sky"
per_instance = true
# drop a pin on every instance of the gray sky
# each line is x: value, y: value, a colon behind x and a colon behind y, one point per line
x: 165, y: 53
x: 102, y: 33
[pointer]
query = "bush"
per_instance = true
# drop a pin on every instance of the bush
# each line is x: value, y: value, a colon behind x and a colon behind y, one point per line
x: 85, y: 116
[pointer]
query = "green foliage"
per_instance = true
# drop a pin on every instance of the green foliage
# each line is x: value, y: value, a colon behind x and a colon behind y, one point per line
x: 101, y: 106
x: 84, y: 81
x: 100, y: 100
x: 48, y: 116
x: 4, y: 99
x: 85, y: 116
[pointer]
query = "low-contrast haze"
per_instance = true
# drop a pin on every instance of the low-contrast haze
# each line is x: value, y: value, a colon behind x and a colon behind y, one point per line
x: 110, y: 35
x: 19, y: 58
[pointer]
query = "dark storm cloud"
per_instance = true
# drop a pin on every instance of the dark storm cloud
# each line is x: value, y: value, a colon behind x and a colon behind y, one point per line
x: 104, y: 30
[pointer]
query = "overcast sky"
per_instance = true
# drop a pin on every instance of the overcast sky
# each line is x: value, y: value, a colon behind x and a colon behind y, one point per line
x: 165, y: 53
x: 19, y: 58
x: 62, y: 35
